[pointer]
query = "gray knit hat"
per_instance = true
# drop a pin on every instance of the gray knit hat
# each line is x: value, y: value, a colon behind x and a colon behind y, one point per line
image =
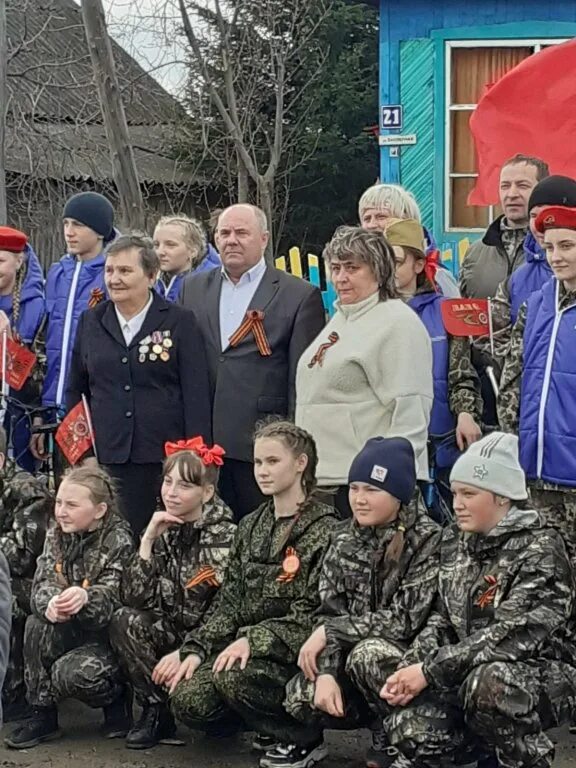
x: 492, y: 464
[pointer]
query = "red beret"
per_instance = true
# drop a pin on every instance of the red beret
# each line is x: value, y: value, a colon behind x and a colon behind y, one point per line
x: 12, y: 240
x: 556, y: 217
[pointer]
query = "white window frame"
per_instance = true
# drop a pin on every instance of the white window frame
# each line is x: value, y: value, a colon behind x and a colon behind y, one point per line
x: 536, y: 44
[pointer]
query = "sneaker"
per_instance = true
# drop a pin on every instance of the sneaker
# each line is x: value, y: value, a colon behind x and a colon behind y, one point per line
x: 262, y: 743
x: 118, y: 717
x: 42, y: 726
x: 294, y: 756
x: 380, y: 754
x: 155, y: 726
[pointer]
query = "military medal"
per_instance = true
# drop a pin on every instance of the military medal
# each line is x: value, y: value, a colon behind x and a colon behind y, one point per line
x: 142, y: 358
x: 144, y: 349
x: 164, y: 356
x: 156, y: 337
x: 290, y: 565
x: 85, y: 583
x: 153, y: 356
x: 156, y: 349
x: 167, y: 343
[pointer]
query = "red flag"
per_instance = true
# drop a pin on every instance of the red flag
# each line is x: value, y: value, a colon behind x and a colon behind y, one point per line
x: 74, y: 435
x: 19, y: 363
x: 466, y: 317
x: 531, y: 110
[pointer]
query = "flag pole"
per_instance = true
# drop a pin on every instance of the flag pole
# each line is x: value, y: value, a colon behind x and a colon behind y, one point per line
x: 89, y: 422
x: 490, y: 328
x: 4, y: 372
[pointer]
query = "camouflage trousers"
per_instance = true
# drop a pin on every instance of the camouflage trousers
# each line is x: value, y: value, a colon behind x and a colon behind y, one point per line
x: 255, y: 694
x: 503, y: 706
x: 63, y: 661
x: 140, y: 639
x: 356, y: 682
x: 14, y: 689
x: 558, y: 510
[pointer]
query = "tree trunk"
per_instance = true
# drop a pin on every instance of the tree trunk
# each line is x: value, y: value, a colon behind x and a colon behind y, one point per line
x: 265, y: 196
x: 3, y: 103
x: 243, y: 194
x: 123, y: 165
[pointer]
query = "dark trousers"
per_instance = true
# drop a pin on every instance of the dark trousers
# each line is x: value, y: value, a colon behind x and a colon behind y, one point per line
x: 238, y: 488
x: 138, y: 488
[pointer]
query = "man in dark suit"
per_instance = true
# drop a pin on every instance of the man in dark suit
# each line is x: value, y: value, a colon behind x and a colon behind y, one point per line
x: 256, y: 321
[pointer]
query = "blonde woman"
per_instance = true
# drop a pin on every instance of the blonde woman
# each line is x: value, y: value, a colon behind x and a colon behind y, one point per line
x: 182, y: 248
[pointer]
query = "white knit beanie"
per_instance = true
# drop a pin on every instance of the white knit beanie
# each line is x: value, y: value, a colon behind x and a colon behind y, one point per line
x: 492, y: 464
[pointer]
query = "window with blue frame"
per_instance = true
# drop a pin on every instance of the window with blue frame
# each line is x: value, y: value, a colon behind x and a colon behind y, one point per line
x: 472, y: 66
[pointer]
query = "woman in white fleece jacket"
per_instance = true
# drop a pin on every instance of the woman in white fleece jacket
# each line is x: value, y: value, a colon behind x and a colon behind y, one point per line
x: 369, y: 372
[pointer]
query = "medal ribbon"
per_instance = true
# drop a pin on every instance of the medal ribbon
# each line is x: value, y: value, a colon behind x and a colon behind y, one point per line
x: 97, y: 296
x: 253, y: 323
x: 322, y: 349
x: 206, y: 574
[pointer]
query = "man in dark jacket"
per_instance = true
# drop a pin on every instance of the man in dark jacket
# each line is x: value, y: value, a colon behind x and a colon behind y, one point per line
x: 492, y: 259
x: 256, y: 321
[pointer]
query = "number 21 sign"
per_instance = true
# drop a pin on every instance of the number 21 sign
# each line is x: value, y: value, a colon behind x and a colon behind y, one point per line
x: 391, y: 117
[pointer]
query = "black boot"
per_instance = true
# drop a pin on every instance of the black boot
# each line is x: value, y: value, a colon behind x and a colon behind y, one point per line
x: 155, y: 726
x: 16, y: 710
x: 118, y: 717
x: 42, y: 726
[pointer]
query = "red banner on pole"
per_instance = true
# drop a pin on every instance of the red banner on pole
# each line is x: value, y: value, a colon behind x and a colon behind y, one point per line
x: 19, y: 363
x: 466, y: 317
x: 74, y: 435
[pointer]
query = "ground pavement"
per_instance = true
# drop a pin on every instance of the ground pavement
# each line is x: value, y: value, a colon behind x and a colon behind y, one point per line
x: 79, y: 747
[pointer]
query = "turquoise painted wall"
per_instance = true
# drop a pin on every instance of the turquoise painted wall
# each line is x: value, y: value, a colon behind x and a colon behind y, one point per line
x: 417, y: 96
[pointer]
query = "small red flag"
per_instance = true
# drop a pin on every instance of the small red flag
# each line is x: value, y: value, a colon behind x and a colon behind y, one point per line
x: 74, y: 435
x: 464, y: 317
x: 19, y: 363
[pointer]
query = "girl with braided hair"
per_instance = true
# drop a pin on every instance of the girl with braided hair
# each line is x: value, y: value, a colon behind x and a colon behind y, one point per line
x: 377, y: 590
x: 22, y: 311
x: 236, y: 664
x: 74, y: 594
x: 181, y: 245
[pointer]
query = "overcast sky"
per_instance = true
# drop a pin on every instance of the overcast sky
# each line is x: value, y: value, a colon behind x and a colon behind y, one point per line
x: 145, y: 28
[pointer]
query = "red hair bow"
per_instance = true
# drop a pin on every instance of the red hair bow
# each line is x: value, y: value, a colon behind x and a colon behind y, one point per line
x: 198, y: 446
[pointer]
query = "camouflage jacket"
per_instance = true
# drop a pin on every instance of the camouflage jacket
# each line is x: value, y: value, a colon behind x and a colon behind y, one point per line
x: 256, y: 601
x: 511, y: 381
x: 464, y: 391
x: 505, y: 596
x: 160, y: 584
x: 94, y: 559
x: 26, y: 507
x: 364, y: 596
x: 501, y: 312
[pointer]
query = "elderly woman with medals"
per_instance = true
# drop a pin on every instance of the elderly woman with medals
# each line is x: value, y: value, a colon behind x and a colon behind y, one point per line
x: 140, y: 363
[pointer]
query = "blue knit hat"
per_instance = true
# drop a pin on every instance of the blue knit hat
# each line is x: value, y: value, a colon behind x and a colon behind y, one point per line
x: 387, y: 463
x: 93, y: 210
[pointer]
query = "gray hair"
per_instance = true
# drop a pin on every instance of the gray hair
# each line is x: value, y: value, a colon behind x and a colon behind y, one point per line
x: 149, y: 260
x: 369, y: 247
x: 402, y: 204
x: 258, y: 213
x: 192, y: 232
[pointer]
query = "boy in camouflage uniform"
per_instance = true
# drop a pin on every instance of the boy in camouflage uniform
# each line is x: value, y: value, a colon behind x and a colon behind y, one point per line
x: 25, y: 511
x: 74, y: 594
x: 377, y: 589
x: 536, y: 391
x: 241, y: 657
x: 170, y: 583
x: 492, y: 667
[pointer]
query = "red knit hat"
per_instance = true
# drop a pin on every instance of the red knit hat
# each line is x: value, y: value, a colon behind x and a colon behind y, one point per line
x: 12, y: 240
x: 556, y: 217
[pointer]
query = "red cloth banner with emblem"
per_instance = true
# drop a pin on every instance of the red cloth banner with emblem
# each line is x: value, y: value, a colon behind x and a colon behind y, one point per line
x: 19, y: 362
x: 531, y: 110
x: 74, y: 435
x: 466, y: 317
